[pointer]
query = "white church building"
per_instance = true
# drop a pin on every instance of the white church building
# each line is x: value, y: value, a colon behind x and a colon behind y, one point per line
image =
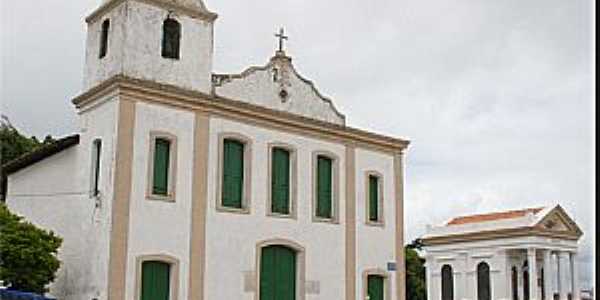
x: 182, y: 184
x: 528, y: 254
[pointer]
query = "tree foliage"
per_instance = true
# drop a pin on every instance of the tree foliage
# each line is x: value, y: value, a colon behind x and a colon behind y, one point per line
x: 415, y: 272
x: 28, y: 255
x: 14, y: 144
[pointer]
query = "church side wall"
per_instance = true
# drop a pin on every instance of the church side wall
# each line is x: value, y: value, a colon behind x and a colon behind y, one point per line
x: 56, y: 195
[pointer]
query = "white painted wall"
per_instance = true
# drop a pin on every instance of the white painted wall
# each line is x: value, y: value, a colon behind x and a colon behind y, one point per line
x: 257, y: 86
x: 232, y: 238
x: 375, y: 245
x: 134, y: 48
x: 158, y: 227
x: 55, y: 194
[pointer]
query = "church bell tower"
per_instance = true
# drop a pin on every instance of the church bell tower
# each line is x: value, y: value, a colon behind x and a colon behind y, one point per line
x: 163, y: 41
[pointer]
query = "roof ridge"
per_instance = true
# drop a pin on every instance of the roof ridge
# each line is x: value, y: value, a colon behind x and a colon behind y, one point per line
x: 464, y: 218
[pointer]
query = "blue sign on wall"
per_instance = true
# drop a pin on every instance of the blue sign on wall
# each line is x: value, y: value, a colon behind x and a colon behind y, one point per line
x: 391, y: 266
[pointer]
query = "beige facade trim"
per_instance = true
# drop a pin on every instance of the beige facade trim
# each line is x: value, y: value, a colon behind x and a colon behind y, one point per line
x: 399, y: 232
x: 201, y: 13
x: 500, y: 234
x: 335, y: 193
x: 300, y: 265
x: 387, y: 291
x: 199, y: 207
x: 350, y: 249
x: 173, y: 273
x: 119, y: 231
x: 246, y: 183
x: 149, y: 91
x: 380, y: 201
x: 172, y: 177
x: 293, y: 180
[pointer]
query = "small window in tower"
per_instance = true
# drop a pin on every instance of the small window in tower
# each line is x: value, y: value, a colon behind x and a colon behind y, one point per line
x: 171, y: 39
x: 104, y: 38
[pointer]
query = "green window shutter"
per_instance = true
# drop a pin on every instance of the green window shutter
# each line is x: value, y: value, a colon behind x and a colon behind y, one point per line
x: 155, y: 280
x: 233, y: 174
x: 324, y: 187
x: 373, y: 198
x: 280, y: 181
x: 375, y: 287
x: 162, y: 149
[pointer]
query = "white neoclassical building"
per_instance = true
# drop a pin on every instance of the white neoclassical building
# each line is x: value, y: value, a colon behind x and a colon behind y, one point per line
x: 528, y: 254
x: 183, y: 184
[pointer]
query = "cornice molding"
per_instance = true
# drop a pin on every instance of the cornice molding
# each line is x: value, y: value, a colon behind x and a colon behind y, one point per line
x: 150, y: 91
x: 201, y: 13
x: 500, y: 234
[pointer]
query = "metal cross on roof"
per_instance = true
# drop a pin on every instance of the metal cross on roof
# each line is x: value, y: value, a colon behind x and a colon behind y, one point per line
x: 281, y: 35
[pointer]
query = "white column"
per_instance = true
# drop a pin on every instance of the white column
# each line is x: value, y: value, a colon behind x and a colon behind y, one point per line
x: 428, y: 277
x: 563, y: 269
x: 548, y: 273
x: 469, y: 289
x: 532, y: 263
x: 575, y: 277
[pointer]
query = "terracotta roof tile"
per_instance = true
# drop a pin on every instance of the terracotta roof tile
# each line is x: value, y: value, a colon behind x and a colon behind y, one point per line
x: 493, y: 216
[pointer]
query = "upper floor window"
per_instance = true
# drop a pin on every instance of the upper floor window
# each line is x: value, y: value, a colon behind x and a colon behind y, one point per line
x: 171, y: 39
x: 162, y: 166
x: 281, y: 181
x: 374, y: 198
x: 104, y: 38
x: 96, y: 151
x: 232, y: 186
x: 325, y: 187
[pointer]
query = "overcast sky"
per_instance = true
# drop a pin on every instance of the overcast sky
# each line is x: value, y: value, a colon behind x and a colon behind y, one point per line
x: 495, y: 95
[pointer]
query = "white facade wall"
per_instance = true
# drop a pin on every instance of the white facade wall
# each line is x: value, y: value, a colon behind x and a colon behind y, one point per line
x: 135, y: 45
x: 232, y: 238
x: 160, y: 227
x: 55, y: 194
x: 375, y: 244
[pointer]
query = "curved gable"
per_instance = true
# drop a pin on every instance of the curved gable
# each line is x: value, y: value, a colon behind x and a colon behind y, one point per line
x: 278, y: 86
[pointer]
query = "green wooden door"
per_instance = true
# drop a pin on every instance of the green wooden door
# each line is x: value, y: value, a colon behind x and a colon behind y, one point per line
x: 155, y: 280
x: 375, y: 287
x: 277, y: 273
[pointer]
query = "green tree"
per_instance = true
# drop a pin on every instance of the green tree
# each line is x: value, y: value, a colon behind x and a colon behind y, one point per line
x: 14, y: 144
x: 28, y: 255
x: 415, y: 272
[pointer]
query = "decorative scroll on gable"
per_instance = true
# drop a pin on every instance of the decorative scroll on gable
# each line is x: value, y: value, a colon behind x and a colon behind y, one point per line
x: 278, y: 86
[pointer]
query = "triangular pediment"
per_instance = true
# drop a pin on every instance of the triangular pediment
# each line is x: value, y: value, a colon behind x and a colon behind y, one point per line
x: 557, y: 220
